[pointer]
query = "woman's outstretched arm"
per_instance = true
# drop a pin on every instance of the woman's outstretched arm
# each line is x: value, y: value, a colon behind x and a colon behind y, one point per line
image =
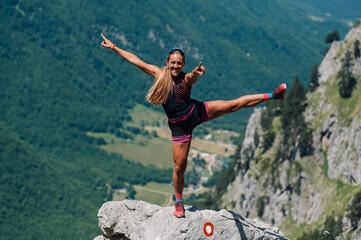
x: 149, y: 69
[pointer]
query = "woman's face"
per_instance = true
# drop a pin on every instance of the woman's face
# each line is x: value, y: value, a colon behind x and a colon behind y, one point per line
x: 175, y: 64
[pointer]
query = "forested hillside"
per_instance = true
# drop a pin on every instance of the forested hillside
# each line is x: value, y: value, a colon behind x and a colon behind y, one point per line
x: 57, y: 83
x: 40, y: 197
x: 347, y: 9
x: 41, y: 191
x: 54, y: 50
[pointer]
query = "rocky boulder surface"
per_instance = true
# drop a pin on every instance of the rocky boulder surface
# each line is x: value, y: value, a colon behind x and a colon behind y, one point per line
x: 131, y: 219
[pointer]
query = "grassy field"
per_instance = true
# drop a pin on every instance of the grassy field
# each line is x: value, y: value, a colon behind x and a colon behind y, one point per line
x: 141, y: 115
x: 154, y: 151
x: 117, y: 196
x: 155, y: 193
x: 163, y: 132
x: 224, y: 135
x: 212, y: 147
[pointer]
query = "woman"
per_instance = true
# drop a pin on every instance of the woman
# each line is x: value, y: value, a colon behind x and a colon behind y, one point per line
x: 172, y: 89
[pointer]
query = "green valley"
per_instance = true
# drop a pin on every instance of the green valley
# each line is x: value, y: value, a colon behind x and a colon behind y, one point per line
x: 75, y: 129
x: 146, y: 140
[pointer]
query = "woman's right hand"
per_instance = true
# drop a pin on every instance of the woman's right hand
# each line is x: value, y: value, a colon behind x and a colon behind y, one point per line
x: 106, y: 43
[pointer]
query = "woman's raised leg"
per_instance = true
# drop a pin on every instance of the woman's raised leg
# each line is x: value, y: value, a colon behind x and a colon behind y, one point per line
x: 220, y: 108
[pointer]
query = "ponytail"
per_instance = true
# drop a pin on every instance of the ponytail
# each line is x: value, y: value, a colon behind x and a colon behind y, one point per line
x: 161, y: 89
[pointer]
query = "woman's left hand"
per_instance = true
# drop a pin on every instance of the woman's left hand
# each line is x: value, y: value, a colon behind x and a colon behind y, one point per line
x: 200, y: 70
x: 106, y: 43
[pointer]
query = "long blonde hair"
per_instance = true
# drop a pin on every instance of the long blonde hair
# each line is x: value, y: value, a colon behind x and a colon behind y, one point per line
x: 162, y: 89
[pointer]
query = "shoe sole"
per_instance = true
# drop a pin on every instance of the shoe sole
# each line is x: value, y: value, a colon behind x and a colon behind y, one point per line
x: 179, y: 216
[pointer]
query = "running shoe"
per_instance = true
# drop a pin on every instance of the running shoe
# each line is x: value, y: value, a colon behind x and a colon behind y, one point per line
x: 280, y: 92
x: 179, y: 209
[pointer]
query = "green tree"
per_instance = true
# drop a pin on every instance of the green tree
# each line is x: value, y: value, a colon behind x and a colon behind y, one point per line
x: 356, y: 23
x: 294, y: 106
x: 346, y: 85
x: 305, y: 142
x: 154, y: 134
x: 334, y: 227
x: 131, y: 192
x: 333, y: 36
x: 313, y: 84
x: 272, y: 109
x: 296, y: 132
x: 347, y: 81
x: 355, y: 210
x: 356, y: 49
x: 325, y: 51
x: 313, y: 235
x: 256, y: 138
x: 268, y: 139
x: 261, y: 204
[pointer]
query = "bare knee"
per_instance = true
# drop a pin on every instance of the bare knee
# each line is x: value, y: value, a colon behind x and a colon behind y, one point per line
x: 232, y: 106
x: 180, y: 153
x: 180, y: 168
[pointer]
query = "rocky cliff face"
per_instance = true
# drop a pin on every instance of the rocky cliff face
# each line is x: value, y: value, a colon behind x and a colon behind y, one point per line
x: 337, y: 123
x: 130, y: 219
x: 306, y: 190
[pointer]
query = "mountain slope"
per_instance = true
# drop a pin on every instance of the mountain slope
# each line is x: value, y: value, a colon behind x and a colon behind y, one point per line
x: 347, y: 9
x: 56, y: 84
x: 54, y: 52
x: 39, y: 193
x: 306, y: 183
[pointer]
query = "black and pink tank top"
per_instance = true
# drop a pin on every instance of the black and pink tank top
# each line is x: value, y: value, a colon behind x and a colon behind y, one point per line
x: 180, y: 103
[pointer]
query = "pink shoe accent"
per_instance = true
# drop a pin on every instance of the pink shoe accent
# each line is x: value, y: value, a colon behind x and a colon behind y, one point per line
x: 280, y: 91
x: 179, y: 210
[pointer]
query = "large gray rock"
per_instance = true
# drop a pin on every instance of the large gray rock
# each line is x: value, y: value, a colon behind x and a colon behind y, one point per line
x: 130, y: 219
